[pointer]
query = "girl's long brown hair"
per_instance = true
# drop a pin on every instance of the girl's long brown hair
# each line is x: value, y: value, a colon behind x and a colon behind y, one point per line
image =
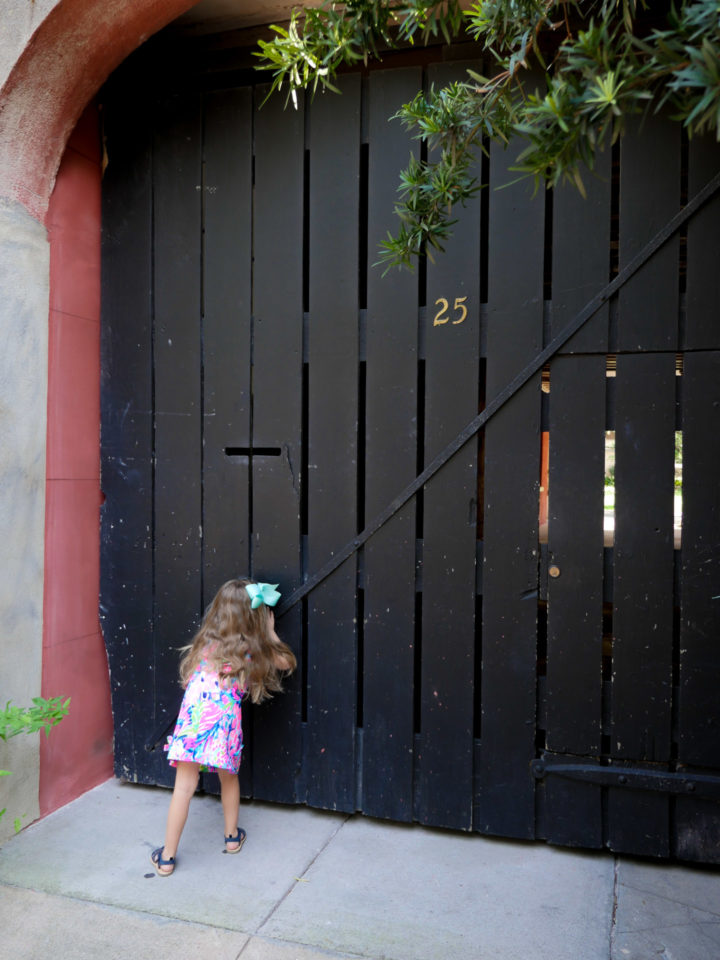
x: 239, y: 642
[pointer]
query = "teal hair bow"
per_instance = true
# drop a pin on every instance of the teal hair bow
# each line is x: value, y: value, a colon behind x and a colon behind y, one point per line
x: 262, y: 593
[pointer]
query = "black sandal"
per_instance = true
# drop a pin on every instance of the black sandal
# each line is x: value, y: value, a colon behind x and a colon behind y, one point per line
x: 157, y: 861
x: 239, y: 839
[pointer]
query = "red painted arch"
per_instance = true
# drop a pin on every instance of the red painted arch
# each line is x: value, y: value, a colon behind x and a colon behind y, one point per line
x: 78, y: 754
x: 70, y: 55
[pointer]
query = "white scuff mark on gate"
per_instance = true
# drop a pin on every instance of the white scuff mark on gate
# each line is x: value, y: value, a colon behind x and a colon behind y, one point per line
x: 288, y: 457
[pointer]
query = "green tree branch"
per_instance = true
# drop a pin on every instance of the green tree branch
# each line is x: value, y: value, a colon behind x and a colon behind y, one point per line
x: 42, y: 715
x: 601, y: 60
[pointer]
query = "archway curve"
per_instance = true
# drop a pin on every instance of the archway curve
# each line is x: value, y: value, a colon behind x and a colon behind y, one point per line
x: 60, y: 68
x: 73, y: 51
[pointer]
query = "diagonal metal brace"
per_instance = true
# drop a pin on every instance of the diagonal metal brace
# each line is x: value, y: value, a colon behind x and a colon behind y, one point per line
x: 590, y: 308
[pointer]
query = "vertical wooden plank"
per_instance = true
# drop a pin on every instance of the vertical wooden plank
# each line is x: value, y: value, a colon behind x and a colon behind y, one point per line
x: 177, y: 495
x: 332, y: 458
x: 581, y: 255
x: 648, y: 303
x: 452, y: 341
x: 506, y: 804
x: 575, y: 588
x: 571, y: 811
x: 126, y: 434
x: 226, y: 199
x: 703, y: 235
x: 227, y: 220
x: 697, y: 822
x: 643, y: 592
x: 277, y: 418
x: 699, y: 742
x: 390, y: 460
x: 643, y: 589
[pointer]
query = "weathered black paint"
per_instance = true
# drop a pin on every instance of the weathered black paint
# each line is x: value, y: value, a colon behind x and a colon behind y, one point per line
x: 276, y: 419
x: 333, y: 363
x: 177, y: 406
x: 391, y: 353
x: 127, y: 435
x: 266, y: 394
x: 575, y: 592
x: 512, y: 481
x: 450, y: 524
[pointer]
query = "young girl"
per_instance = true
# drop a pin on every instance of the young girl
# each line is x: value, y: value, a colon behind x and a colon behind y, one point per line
x: 235, y: 652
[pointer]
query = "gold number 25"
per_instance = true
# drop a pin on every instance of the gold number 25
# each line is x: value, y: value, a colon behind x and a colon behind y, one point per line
x: 442, y: 316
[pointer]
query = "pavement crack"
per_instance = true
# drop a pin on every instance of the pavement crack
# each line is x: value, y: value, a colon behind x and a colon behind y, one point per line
x: 311, y: 947
x: 671, y: 926
x: 680, y: 903
x: 301, y: 876
x: 244, y: 947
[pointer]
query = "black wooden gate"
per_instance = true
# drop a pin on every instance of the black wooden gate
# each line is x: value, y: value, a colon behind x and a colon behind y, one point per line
x: 503, y: 655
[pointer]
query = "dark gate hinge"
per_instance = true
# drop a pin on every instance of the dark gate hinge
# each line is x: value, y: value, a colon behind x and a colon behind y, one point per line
x: 704, y: 786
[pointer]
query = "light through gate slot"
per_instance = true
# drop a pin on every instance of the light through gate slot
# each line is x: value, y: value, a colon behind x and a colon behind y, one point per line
x: 544, y: 457
x: 609, y: 498
x: 678, y: 458
x: 678, y: 488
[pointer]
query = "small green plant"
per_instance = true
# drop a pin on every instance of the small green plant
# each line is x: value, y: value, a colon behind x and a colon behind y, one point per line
x: 42, y: 715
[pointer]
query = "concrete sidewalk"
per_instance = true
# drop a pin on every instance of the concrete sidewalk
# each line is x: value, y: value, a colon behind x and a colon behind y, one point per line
x: 320, y: 886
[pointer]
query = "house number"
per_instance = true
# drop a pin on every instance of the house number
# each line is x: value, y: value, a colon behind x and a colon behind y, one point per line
x: 442, y: 316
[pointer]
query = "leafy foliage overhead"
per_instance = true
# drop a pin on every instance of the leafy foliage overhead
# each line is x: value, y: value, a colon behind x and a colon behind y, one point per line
x: 600, y: 61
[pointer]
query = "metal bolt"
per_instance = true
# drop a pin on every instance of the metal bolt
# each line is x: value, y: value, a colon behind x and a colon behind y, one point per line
x: 554, y: 571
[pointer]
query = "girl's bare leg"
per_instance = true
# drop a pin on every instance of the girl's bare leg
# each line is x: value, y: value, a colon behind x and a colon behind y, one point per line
x: 186, y: 781
x: 230, y: 797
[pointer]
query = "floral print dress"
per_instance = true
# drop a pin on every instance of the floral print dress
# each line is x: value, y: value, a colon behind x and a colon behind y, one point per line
x: 209, y: 726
